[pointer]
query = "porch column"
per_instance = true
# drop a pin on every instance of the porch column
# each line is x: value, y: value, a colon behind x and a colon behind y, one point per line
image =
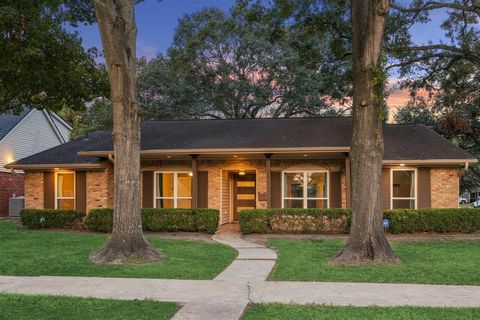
x: 194, y: 181
x: 348, y: 190
x: 268, y: 170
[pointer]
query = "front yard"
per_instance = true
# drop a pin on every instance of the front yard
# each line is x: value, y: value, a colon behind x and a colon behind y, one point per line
x: 26, y: 307
x: 38, y: 252
x: 432, y: 262
x: 292, y: 312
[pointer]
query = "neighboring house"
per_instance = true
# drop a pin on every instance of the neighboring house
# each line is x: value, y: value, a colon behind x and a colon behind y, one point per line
x: 232, y: 165
x: 22, y: 135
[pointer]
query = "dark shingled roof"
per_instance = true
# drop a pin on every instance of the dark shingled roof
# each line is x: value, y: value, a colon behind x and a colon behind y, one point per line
x: 9, y: 120
x: 402, y: 142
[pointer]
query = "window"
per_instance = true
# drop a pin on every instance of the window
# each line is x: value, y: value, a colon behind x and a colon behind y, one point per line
x: 403, y: 189
x: 65, y: 191
x: 173, y: 190
x: 305, y: 189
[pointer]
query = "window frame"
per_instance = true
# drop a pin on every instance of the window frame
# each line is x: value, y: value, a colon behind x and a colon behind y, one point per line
x: 175, y: 197
x: 415, y: 178
x: 305, y: 197
x: 74, y: 198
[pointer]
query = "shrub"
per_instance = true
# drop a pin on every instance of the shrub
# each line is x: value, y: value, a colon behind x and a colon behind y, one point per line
x: 100, y: 220
x: 433, y: 220
x: 50, y: 218
x: 156, y: 219
x: 295, y: 220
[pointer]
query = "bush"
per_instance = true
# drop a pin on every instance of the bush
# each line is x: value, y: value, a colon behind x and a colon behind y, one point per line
x: 153, y: 219
x: 50, y: 218
x: 295, y: 220
x: 433, y: 220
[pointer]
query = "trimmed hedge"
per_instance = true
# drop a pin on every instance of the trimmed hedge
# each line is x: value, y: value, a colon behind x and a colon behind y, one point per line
x: 204, y: 220
x: 295, y: 220
x: 433, y: 220
x: 50, y: 218
x: 339, y: 220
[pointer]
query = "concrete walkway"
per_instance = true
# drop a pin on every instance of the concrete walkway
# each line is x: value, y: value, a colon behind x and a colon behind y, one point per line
x: 243, y: 282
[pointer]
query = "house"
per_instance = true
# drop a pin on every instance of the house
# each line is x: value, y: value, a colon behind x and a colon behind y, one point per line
x: 22, y: 135
x: 232, y: 165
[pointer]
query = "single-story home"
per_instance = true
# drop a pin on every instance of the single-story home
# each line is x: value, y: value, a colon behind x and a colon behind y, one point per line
x: 231, y: 165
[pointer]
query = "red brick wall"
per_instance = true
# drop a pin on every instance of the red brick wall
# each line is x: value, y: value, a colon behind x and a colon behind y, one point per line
x: 10, y: 184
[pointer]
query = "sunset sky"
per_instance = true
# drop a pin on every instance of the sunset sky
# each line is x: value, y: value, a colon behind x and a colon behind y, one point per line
x: 157, y: 21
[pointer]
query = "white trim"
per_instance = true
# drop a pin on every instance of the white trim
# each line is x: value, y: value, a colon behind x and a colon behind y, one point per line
x: 305, y: 197
x: 62, y: 121
x: 53, y: 126
x: 175, y: 197
x: 415, y: 178
x: 74, y: 198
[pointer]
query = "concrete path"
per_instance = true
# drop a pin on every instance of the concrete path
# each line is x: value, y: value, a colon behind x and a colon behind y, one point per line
x: 241, y: 283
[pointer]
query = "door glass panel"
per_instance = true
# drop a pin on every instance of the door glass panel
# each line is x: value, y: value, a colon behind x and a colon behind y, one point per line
x: 184, y: 185
x: 66, y: 204
x: 165, y: 203
x: 317, y: 184
x: 404, y: 184
x: 293, y: 187
x: 245, y: 183
x: 184, y: 203
x: 245, y: 196
x: 165, y: 184
x: 65, y: 185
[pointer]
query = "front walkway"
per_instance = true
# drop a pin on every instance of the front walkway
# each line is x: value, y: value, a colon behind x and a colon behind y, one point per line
x: 243, y: 282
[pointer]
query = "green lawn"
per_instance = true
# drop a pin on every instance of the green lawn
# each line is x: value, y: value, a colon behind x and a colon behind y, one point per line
x: 40, y: 252
x: 438, y: 262
x: 291, y: 312
x: 23, y: 307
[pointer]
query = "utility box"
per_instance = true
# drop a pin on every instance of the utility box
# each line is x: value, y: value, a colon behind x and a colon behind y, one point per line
x: 15, y: 205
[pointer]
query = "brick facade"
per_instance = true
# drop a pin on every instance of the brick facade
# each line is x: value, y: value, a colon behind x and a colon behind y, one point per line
x: 10, y: 184
x: 100, y: 184
x: 445, y: 187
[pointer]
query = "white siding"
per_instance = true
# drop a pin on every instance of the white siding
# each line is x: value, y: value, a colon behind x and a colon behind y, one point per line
x: 62, y: 128
x: 31, y: 135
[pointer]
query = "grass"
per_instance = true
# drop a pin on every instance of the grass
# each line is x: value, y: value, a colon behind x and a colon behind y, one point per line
x: 433, y: 262
x: 24, y: 307
x: 40, y: 252
x: 291, y: 312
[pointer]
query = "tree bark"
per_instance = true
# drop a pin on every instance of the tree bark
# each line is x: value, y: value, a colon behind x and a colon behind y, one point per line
x: 367, y: 242
x: 116, y: 21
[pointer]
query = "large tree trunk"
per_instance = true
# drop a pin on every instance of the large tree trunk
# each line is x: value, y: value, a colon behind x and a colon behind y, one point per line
x: 367, y: 241
x: 116, y: 20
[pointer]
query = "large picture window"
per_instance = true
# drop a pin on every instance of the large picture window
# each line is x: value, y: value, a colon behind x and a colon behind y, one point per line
x: 65, y: 191
x: 403, y: 189
x: 173, y: 190
x: 305, y: 189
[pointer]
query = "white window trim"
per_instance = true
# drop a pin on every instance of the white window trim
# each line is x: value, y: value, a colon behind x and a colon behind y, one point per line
x: 305, y: 197
x: 175, y: 197
x: 74, y: 188
x: 415, y: 199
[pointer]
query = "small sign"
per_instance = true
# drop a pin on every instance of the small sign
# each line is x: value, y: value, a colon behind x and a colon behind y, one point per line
x: 42, y: 221
x: 386, y: 223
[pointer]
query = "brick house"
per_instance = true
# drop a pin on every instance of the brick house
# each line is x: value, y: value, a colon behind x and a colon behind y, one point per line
x: 22, y: 135
x: 232, y: 165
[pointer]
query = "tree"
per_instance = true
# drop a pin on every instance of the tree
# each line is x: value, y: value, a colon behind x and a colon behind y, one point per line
x: 42, y: 62
x: 367, y: 241
x: 97, y: 116
x: 254, y: 61
x: 116, y: 21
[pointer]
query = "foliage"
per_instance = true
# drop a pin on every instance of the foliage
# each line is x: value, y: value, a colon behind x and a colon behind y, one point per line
x: 95, y: 117
x: 42, y: 62
x: 256, y: 60
x: 153, y: 219
x: 338, y: 220
x: 50, y: 253
x: 23, y: 307
x: 49, y: 218
x: 422, y: 261
x: 433, y: 220
x: 296, y: 312
x: 295, y: 220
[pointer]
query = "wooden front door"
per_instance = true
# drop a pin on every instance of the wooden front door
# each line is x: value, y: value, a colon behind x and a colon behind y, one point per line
x: 244, y: 190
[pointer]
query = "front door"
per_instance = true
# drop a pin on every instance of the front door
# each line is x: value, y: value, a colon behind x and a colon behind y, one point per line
x: 244, y: 189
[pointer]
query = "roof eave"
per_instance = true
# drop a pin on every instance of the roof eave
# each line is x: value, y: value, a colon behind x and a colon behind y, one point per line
x: 77, y: 166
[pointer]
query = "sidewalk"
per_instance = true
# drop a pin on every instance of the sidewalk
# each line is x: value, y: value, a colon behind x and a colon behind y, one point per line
x: 244, y: 282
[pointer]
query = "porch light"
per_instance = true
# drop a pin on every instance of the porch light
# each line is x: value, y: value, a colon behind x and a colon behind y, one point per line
x: 241, y: 173
x: 190, y: 174
x: 305, y: 155
x: 169, y: 157
x: 235, y: 156
x: 402, y: 164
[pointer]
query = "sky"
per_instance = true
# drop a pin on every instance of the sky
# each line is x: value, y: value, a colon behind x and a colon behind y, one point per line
x: 157, y: 21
